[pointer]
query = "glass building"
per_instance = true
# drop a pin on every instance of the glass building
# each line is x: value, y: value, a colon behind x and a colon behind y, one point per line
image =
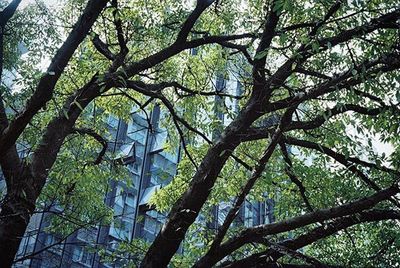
x: 139, y: 146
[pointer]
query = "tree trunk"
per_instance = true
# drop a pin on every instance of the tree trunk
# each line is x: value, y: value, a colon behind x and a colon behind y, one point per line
x: 16, y: 210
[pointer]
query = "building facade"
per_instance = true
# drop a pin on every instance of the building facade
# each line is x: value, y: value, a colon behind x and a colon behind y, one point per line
x: 138, y: 145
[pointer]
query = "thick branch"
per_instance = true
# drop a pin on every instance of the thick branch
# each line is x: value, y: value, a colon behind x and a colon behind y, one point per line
x: 312, y: 73
x: 7, y: 13
x: 295, y: 254
x: 179, y: 220
x: 255, y: 233
x: 271, y: 22
x: 102, y: 48
x: 175, y: 48
x: 118, y: 27
x: 242, y: 196
x: 316, y: 234
x: 332, y: 10
x: 11, y: 164
x: 191, y: 20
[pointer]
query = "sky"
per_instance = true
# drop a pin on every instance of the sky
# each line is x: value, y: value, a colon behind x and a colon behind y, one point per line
x: 50, y: 3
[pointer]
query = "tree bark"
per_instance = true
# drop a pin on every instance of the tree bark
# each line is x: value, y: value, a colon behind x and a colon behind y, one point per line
x: 16, y: 210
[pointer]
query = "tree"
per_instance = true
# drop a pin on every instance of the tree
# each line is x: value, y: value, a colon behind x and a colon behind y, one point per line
x: 309, y: 66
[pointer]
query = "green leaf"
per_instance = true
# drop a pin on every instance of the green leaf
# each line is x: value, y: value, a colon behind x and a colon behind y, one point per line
x: 65, y: 113
x: 261, y: 54
x: 78, y: 104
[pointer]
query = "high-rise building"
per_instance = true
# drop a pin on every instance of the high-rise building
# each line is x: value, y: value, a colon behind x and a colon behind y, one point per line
x: 137, y: 144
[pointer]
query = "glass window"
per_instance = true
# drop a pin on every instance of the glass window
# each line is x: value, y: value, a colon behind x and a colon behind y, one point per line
x: 79, y: 254
x: 121, y: 228
x: 152, y: 222
x: 119, y: 201
x: 137, y: 135
x: 269, y: 211
x: 85, y: 235
x: 31, y: 243
x: 248, y: 214
x: 193, y: 51
x: 130, y: 200
x: 137, y: 129
x: 239, y: 89
x: 161, y: 169
x: 22, y: 246
x: 112, y: 121
x: 87, y: 258
x: 124, y: 210
x: 239, y: 92
x: 223, y: 210
x: 256, y: 214
x: 56, y: 246
x: 220, y: 83
x: 158, y: 140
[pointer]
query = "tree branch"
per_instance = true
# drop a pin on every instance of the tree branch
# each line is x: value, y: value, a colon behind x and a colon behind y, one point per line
x: 347, y: 162
x: 254, y: 234
x: 7, y: 13
x: 339, y: 109
x: 385, y: 63
x: 102, y: 48
x: 98, y: 138
x: 292, y: 176
x: 11, y: 164
x: 118, y: 26
x: 271, y: 255
x: 187, y: 26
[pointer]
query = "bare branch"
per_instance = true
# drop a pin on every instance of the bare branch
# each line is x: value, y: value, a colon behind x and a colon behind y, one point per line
x: 384, y: 63
x: 312, y: 73
x: 332, y: 10
x: 342, y: 159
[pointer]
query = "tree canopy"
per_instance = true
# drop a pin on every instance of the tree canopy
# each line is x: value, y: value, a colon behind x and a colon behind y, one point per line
x: 316, y: 127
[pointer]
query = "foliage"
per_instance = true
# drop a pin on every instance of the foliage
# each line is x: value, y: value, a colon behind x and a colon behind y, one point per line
x: 319, y: 88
